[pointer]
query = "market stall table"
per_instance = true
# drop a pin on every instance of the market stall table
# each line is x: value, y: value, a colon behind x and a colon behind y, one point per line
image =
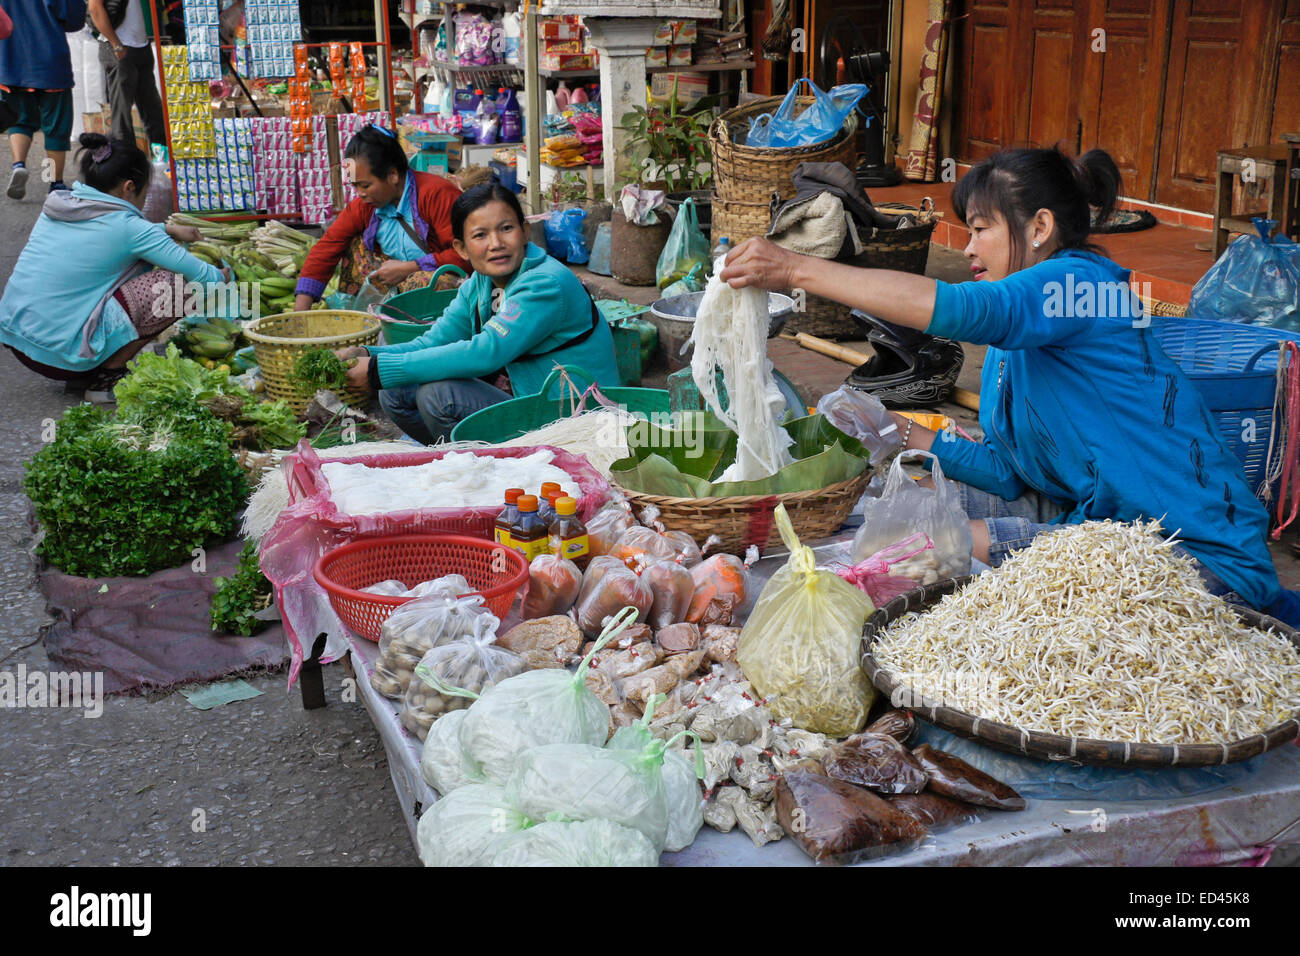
x: 1230, y: 825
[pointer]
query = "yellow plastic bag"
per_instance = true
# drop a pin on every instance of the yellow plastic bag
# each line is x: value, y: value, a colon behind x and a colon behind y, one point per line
x: 801, y: 647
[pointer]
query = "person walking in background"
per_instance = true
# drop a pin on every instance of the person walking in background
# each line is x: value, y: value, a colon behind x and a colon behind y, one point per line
x: 36, y: 82
x: 127, y: 58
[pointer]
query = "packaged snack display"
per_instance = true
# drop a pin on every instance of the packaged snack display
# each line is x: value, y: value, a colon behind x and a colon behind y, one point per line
x: 189, y: 108
x: 272, y: 28
x: 203, y: 39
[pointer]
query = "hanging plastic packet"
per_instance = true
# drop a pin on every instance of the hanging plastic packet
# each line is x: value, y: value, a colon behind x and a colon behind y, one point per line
x: 875, y: 576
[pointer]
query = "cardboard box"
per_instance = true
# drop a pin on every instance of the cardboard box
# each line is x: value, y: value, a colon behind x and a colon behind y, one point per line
x: 668, y: 56
x: 672, y: 32
x: 559, y: 28
x: 567, y: 61
x: 574, y: 45
x: 690, y: 87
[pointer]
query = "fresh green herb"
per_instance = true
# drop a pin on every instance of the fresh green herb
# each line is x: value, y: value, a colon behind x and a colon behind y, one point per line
x: 136, y: 492
x: 275, y: 425
x: 240, y: 596
x: 154, y: 377
x: 320, y: 368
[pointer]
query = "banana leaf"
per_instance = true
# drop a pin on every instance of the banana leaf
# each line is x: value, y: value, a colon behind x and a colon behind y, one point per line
x: 682, y: 462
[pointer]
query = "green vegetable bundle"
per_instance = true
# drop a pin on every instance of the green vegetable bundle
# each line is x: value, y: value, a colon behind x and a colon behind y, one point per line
x: 320, y: 368
x: 239, y: 597
x: 135, y: 493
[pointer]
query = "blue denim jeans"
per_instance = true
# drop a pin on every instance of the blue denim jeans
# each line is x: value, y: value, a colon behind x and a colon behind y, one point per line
x: 1014, y: 525
x: 430, y: 411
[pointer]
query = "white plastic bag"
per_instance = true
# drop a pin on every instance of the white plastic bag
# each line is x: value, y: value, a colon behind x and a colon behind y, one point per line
x: 681, y: 776
x: 581, y: 843
x: 904, y: 508
x: 417, y: 627
x: 536, y: 708
x: 466, y: 826
x: 443, y: 765
x: 862, y: 416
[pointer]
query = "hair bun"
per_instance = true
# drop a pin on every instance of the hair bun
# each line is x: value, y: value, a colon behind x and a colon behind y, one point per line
x: 92, y: 140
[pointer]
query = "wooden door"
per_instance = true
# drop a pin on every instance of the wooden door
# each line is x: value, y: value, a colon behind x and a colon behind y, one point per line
x: 1213, y: 93
x: 987, y: 86
x: 1122, y: 87
x: 1283, y: 89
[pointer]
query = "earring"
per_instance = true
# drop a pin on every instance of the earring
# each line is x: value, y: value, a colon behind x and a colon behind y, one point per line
x: 1037, y: 243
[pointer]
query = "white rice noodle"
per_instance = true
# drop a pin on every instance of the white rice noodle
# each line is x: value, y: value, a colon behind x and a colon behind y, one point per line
x: 730, y: 332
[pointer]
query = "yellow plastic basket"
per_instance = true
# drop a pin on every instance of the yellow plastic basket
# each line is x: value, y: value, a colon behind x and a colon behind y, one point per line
x: 278, y: 340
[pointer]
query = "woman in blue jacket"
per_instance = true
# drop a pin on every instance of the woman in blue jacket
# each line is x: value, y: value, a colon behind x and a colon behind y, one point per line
x: 521, y: 313
x: 96, y: 280
x: 1084, y: 416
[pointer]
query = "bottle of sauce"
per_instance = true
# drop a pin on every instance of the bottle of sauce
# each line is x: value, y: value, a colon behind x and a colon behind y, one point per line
x: 529, y: 534
x: 568, y: 533
x: 508, y: 516
x: 544, y: 507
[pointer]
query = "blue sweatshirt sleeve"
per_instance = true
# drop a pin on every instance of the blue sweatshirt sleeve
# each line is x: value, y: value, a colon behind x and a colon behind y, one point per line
x: 454, y: 325
x: 527, y: 317
x: 1036, y: 307
x: 149, y: 241
x: 978, y: 464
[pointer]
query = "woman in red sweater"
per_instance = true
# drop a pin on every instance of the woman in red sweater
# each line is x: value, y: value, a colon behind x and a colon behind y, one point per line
x: 398, y: 231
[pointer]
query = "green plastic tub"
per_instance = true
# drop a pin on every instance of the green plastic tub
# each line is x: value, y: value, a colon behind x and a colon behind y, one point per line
x: 408, y: 315
x: 508, y: 420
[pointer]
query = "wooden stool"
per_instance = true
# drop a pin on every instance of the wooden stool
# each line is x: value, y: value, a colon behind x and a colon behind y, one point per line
x: 1267, y: 164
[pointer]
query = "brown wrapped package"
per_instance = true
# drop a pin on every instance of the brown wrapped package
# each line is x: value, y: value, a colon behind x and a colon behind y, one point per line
x: 877, y: 762
x: 836, y: 822
x: 673, y: 589
x: 661, y: 679
x: 621, y: 664
x: 602, y: 685
x: 553, y: 586
x: 953, y: 777
x: 614, y: 590
x: 556, y: 632
x: 678, y: 638
x: 897, y: 723
x: 636, y: 634
x: 933, y: 811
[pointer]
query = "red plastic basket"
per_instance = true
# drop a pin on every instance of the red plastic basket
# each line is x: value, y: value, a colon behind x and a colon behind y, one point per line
x: 497, y: 573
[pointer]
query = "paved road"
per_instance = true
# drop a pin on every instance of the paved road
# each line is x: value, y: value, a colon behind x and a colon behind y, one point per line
x: 275, y: 783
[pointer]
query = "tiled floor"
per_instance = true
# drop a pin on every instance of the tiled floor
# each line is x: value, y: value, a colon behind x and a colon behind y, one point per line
x: 1164, y: 257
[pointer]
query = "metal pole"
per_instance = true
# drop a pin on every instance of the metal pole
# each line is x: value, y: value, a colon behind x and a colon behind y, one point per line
x: 536, y: 119
x: 162, y: 91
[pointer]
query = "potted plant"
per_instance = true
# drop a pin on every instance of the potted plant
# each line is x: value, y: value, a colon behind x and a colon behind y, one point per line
x: 671, y: 145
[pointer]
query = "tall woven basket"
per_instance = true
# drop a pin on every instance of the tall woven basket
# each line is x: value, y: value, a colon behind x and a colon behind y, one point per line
x: 278, y: 340
x: 903, y: 250
x: 745, y: 178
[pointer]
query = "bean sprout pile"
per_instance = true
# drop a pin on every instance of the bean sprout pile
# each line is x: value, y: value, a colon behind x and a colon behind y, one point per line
x: 1098, y: 630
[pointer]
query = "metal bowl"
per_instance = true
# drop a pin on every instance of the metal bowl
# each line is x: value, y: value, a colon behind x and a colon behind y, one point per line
x: 675, y: 318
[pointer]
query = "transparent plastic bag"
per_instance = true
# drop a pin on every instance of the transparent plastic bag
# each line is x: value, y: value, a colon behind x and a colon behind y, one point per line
x: 579, y: 843
x: 466, y: 826
x: 673, y: 587
x: 639, y: 547
x: 904, y: 508
x: 553, y: 586
x: 606, y: 526
x: 371, y: 294
x: 535, y: 708
x: 614, y: 589
x: 443, y: 764
x: 682, y: 773
x: 416, y: 627
x: 1256, y: 281
x: 877, y: 762
x: 861, y: 415
x: 450, y: 675
x: 721, y: 584
x: 801, y: 646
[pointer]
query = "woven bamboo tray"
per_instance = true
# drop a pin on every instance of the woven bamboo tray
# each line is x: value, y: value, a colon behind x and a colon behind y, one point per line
x: 278, y: 340
x: 1103, y: 753
x: 745, y: 520
x: 750, y: 174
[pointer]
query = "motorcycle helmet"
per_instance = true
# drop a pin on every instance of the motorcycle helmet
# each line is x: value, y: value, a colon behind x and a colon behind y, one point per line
x: 909, y: 368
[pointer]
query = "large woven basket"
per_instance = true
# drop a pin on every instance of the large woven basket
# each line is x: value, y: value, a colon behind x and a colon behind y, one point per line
x: 743, y: 520
x: 1106, y: 753
x: 903, y: 250
x: 278, y: 340
x: 749, y: 175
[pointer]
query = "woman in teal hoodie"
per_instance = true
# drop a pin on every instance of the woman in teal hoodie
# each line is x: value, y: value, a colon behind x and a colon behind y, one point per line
x: 521, y: 313
x: 96, y: 280
x: 1084, y: 417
